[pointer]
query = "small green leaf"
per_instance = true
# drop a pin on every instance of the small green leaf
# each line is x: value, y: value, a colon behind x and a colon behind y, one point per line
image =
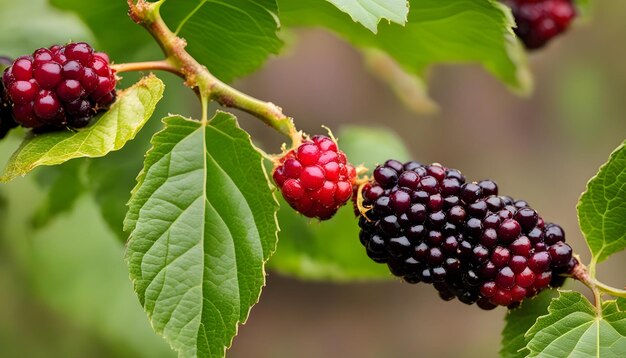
x: 232, y: 38
x: 602, y: 208
x: 573, y: 328
x: 451, y: 31
x: 370, y: 12
x: 330, y: 250
x: 519, y: 321
x: 202, y: 222
x: 110, y: 132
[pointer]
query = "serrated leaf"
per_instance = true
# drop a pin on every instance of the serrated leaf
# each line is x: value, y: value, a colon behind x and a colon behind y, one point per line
x: 330, y: 250
x: 519, y: 321
x: 370, y: 12
x: 110, y: 132
x: 452, y: 31
x: 203, y: 225
x: 231, y: 38
x: 30, y: 24
x: 573, y: 328
x: 602, y: 208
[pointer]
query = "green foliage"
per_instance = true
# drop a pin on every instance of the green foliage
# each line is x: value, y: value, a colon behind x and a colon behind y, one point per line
x: 574, y: 328
x: 370, y: 12
x: 331, y: 250
x: 519, y: 321
x: 454, y: 31
x: 202, y: 222
x: 74, y: 267
x: 64, y: 187
x: 246, y: 33
x: 110, y: 132
x: 602, y: 208
x: 114, y: 31
x: 29, y: 24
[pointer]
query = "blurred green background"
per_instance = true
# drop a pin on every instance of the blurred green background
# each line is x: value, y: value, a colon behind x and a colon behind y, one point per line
x: 64, y: 289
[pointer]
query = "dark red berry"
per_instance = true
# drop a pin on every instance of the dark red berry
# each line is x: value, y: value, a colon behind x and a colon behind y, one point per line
x: 385, y: 176
x: 46, y: 105
x: 316, y: 180
x: 560, y: 254
x: 470, y: 192
x: 539, y: 262
x: 538, y: 21
x: 22, y: 92
x: 489, y: 187
x: 59, y: 86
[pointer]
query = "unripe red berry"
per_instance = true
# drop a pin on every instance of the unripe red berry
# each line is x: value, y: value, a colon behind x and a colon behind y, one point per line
x: 316, y: 179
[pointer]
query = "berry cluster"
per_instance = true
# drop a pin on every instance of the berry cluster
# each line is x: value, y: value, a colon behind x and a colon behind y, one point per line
x: 316, y: 178
x: 538, y: 21
x: 59, y: 86
x: 429, y: 225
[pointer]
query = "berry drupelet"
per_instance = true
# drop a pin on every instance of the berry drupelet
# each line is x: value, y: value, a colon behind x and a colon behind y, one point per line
x: 538, y: 21
x: 60, y: 86
x: 429, y: 225
x: 316, y: 178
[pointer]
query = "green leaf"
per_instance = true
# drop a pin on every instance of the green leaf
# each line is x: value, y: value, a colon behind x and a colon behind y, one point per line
x: 519, y: 321
x: 110, y: 132
x: 203, y: 225
x: 330, y: 250
x: 115, y: 32
x: 232, y: 38
x: 112, y: 178
x: 74, y: 268
x: 602, y: 208
x: 574, y: 329
x: 30, y: 24
x: 64, y: 186
x: 370, y: 12
x: 452, y: 31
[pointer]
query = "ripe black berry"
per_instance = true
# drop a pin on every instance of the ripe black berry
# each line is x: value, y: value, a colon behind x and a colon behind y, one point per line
x: 538, y: 21
x: 60, y: 86
x: 429, y: 225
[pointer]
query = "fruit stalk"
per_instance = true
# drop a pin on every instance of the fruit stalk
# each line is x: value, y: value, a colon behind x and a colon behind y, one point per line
x: 586, y: 277
x: 198, y: 76
x: 163, y: 65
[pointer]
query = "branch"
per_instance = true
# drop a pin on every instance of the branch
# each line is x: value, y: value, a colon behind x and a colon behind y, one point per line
x: 198, y: 76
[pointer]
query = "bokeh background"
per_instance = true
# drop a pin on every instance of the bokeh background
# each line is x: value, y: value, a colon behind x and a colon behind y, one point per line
x: 65, y: 292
